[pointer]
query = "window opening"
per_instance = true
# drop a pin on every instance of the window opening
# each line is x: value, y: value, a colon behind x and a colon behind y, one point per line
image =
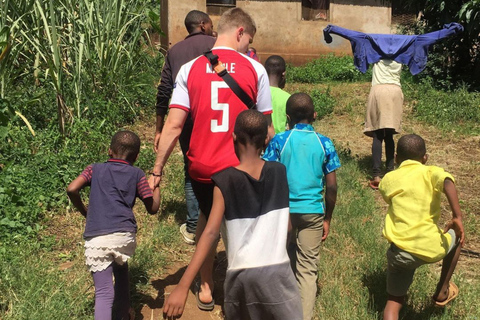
x: 315, y: 10
x: 403, y: 13
x: 218, y: 7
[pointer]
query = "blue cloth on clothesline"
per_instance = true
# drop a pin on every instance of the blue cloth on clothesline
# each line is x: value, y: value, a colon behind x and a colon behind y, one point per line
x: 411, y: 50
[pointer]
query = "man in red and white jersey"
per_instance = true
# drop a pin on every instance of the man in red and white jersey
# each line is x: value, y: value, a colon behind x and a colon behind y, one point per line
x: 214, y: 108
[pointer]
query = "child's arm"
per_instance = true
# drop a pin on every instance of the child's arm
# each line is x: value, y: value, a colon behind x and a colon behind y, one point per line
x: 73, y: 192
x: 152, y: 204
x: 330, y: 201
x: 175, y: 303
x: 456, y: 223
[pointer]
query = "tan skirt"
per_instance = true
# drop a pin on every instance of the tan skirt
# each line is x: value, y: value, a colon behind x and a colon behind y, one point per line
x: 384, y: 108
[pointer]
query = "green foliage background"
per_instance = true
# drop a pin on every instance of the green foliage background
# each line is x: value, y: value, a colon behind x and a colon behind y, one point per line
x: 455, y: 62
x: 97, y: 76
x: 100, y: 98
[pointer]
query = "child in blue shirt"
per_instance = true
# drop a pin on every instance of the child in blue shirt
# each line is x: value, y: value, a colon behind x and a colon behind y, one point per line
x: 311, y: 161
x: 111, y: 227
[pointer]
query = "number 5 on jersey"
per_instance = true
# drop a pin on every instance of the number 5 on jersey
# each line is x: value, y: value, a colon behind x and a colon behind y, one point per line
x: 214, y: 123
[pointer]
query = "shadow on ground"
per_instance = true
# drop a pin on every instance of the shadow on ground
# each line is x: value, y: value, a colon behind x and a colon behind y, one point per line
x: 139, y: 276
x: 176, y: 208
x: 376, y: 283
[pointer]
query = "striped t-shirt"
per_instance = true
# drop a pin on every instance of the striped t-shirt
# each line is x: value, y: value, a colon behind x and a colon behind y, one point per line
x: 114, y: 186
x: 259, y: 283
x: 256, y: 216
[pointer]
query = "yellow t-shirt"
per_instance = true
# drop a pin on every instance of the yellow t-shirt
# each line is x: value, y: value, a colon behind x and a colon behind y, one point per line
x: 413, y: 193
x: 386, y: 72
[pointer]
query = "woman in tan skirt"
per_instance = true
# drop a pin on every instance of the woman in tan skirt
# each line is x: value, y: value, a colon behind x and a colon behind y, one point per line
x: 384, y: 114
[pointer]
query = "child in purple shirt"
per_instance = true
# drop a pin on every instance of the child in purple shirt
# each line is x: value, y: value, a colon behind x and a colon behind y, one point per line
x: 111, y: 227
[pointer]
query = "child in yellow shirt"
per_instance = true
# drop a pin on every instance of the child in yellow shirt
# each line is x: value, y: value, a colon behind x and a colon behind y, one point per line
x: 413, y: 193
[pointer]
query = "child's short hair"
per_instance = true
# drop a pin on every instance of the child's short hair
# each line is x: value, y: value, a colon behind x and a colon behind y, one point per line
x: 194, y: 18
x: 251, y: 127
x: 126, y: 144
x: 275, y: 65
x: 411, y: 147
x: 234, y: 18
x: 300, y: 107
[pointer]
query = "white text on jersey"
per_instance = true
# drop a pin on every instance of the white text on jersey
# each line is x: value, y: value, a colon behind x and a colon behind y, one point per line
x: 229, y: 66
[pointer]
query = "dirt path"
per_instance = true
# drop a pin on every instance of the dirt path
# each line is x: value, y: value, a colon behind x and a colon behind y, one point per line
x: 459, y: 155
x: 170, y: 279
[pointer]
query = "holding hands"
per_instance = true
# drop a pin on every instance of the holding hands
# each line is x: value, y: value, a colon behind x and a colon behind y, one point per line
x: 154, y: 181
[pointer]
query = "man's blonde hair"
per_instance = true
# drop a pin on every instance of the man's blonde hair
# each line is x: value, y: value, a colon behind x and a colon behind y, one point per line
x: 235, y: 18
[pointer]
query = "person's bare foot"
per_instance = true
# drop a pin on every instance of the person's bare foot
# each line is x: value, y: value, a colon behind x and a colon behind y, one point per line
x: 205, y: 294
x: 204, y: 297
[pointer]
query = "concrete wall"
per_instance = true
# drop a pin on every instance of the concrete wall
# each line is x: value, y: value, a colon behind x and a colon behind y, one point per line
x: 281, y: 30
x: 172, y: 18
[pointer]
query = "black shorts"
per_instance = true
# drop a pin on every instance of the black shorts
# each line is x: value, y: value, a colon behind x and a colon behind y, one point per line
x: 204, y: 194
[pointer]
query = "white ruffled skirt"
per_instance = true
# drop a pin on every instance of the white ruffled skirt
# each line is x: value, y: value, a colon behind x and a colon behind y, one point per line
x: 101, y: 251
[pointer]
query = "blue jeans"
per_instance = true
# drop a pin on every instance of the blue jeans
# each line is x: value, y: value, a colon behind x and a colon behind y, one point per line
x: 190, y: 199
x: 192, y: 204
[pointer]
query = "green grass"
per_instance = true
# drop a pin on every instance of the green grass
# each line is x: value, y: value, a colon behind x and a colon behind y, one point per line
x: 352, y: 270
x: 33, y: 284
x: 457, y: 109
x: 327, y: 68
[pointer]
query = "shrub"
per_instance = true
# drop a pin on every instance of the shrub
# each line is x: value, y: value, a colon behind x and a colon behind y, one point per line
x: 327, y: 68
x: 323, y: 102
x: 34, y: 170
x: 457, y: 108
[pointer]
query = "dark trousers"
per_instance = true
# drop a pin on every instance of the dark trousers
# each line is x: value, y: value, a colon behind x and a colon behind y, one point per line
x: 380, y: 136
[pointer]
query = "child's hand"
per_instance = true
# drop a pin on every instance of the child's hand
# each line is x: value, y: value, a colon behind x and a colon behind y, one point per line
x: 457, y: 226
x: 175, y: 303
x: 154, y: 182
x: 326, y: 229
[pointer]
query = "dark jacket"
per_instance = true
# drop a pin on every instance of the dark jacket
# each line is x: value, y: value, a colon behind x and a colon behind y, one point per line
x: 193, y: 46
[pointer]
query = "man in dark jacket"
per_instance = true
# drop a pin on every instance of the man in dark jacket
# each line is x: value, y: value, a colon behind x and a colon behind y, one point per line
x: 200, y: 28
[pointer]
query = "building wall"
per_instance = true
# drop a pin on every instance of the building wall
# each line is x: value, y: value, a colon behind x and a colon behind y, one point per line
x: 281, y: 30
x: 172, y: 19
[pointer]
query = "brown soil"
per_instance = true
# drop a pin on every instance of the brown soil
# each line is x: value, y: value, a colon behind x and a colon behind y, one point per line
x: 167, y: 282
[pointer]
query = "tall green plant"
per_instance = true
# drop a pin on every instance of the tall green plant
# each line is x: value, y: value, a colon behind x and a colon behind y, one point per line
x: 11, y: 51
x: 87, y: 43
x: 11, y: 42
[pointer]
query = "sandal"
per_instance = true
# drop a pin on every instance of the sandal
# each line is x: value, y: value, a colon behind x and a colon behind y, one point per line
x: 202, y: 305
x: 452, y: 294
x: 374, y: 184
